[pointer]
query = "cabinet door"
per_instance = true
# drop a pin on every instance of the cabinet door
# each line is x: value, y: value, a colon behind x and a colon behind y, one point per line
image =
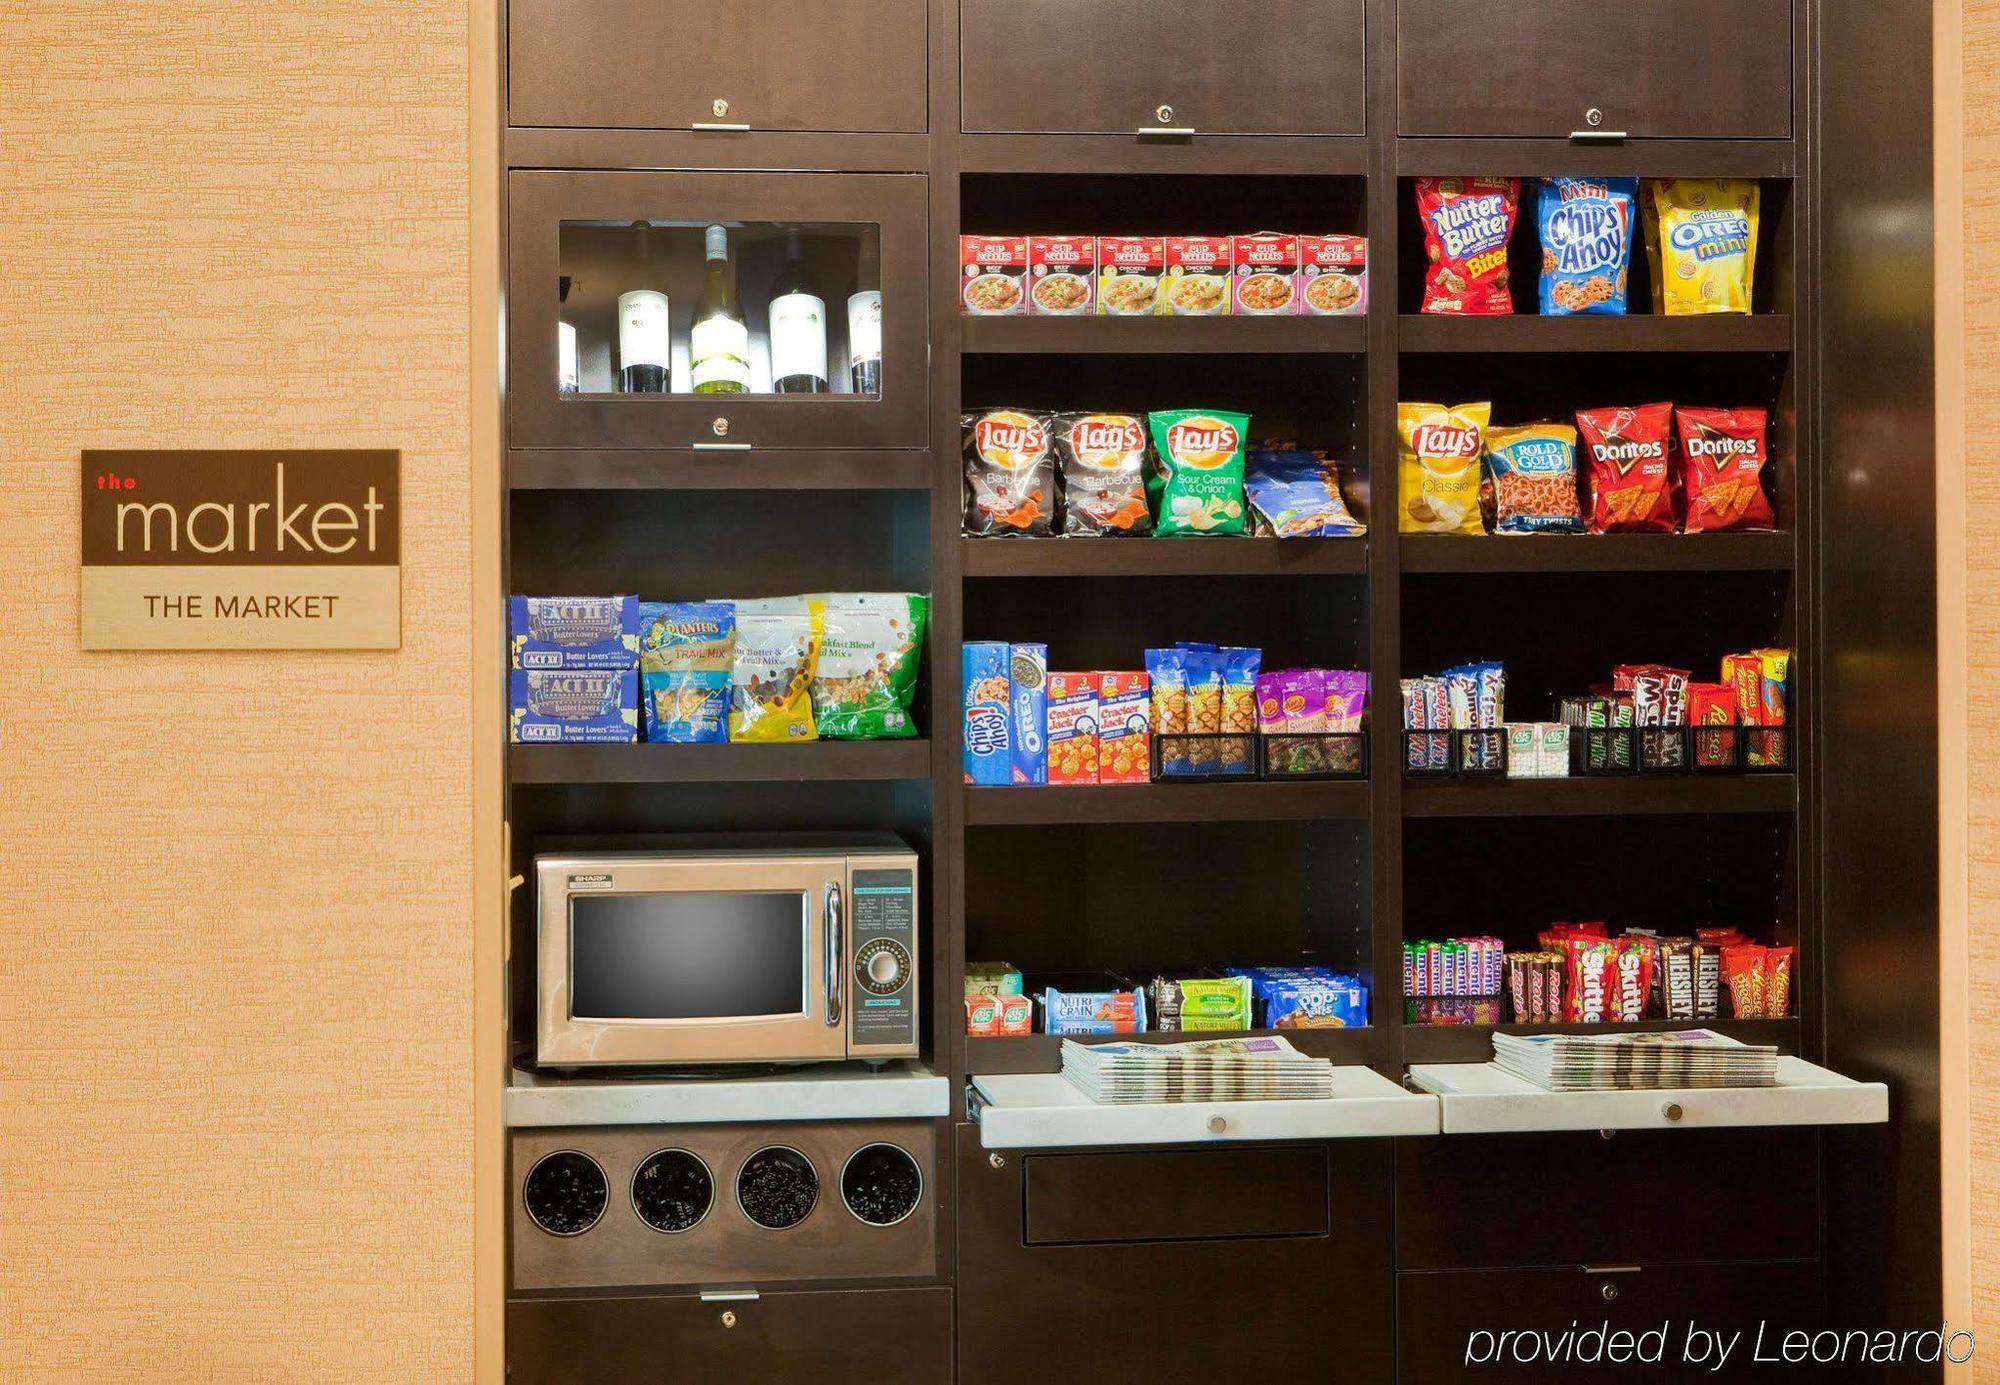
x: 860, y: 1337
x: 1442, y: 1319
x: 1692, y: 69
x: 1239, y: 1262
x: 581, y: 244
x: 1286, y: 67
x: 849, y: 65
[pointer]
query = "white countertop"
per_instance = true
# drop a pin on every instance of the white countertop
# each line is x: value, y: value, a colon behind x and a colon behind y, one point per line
x: 1479, y: 1098
x: 1041, y: 1110
x: 833, y: 1091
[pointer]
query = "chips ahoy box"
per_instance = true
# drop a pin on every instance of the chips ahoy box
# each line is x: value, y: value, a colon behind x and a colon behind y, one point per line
x: 1028, y: 725
x: 985, y: 694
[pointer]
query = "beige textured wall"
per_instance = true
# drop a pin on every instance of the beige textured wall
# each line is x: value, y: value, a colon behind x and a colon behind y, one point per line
x: 235, y: 944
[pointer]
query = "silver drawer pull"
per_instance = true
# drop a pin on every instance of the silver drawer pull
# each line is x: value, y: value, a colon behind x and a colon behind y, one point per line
x: 721, y: 446
x: 719, y: 125
x: 1165, y: 131
x: 1611, y: 1269
x: 1597, y: 136
x: 729, y: 1295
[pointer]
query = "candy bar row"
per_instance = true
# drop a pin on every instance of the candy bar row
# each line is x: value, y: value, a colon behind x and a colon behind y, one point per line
x: 1229, y: 1000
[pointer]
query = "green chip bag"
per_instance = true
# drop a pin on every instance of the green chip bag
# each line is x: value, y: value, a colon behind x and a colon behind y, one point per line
x: 869, y: 655
x: 1197, y: 479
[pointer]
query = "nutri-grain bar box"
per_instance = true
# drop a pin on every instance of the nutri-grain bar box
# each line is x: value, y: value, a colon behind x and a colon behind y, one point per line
x: 573, y: 632
x: 1124, y: 728
x: 986, y: 696
x: 1072, y: 728
x: 1062, y: 275
x: 571, y: 706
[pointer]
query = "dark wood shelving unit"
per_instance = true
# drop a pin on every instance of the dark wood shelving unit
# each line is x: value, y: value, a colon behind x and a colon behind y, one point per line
x: 553, y: 468
x: 1727, y: 552
x: 1182, y: 336
x: 1082, y: 556
x: 1043, y: 1052
x: 1250, y: 801
x: 1627, y: 332
x: 1127, y: 155
x: 1601, y: 796
x: 1473, y: 1043
x: 718, y: 764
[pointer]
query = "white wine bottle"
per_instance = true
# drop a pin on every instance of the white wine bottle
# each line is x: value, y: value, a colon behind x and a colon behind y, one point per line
x: 864, y: 324
x: 798, y: 325
x: 645, y: 335
x: 719, y: 345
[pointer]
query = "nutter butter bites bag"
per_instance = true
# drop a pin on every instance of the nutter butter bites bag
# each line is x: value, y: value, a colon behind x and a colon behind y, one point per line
x: 1198, y: 471
x: 1467, y: 224
x: 1701, y: 243
x: 1010, y: 484
x: 1438, y: 474
x: 1586, y: 229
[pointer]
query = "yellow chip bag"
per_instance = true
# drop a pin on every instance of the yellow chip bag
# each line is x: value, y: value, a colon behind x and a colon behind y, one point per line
x: 1438, y: 479
x: 771, y: 674
x: 1701, y: 243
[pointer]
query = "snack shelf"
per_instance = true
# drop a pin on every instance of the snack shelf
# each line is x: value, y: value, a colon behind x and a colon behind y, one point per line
x: 1043, y: 1111
x: 1083, y: 556
x: 1584, y: 796
x: 1027, y: 1053
x: 1480, y: 1099
x: 1769, y: 332
x: 540, y: 468
x: 1421, y: 156
x: 1472, y: 1043
x: 1130, y: 154
x: 1731, y: 552
x: 641, y: 763
x: 1236, y: 801
x: 1181, y: 336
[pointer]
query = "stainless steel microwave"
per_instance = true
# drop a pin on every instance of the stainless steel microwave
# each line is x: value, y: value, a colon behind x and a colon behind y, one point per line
x: 795, y: 950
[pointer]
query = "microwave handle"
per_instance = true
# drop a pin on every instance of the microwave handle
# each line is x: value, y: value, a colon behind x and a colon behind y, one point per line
x: 836, y: 957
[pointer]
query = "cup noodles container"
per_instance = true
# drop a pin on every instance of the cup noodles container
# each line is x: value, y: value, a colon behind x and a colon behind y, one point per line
x: 1062, y: 275
x: 1073, y: 728
x: 1264, y: 271
x: 993, y: 275
x: 1129, y: 273
x: 1197, y: 277
x: 986, y: 696
x: 1124, y: 728
x: 1028, y: 718
x: 1333, y: 273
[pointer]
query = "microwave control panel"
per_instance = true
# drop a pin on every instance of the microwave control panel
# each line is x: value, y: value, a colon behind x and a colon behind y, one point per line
x: 882, y: 1018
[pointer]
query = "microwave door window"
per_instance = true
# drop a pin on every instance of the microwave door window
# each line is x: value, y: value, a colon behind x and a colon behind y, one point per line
x: 689, y: 956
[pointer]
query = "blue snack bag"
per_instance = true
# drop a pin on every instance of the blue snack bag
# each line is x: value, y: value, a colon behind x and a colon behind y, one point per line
x: 985, y: 696
x: 685, y: 653
x: 1586, y: 226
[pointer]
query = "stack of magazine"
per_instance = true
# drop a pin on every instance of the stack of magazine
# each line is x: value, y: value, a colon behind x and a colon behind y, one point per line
x: 1264, y: 1068
x: 1624, y: 1062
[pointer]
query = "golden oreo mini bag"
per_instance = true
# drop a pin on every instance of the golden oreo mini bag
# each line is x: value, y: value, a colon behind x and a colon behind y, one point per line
x: 1701, y: 244
x: 1438, y: 474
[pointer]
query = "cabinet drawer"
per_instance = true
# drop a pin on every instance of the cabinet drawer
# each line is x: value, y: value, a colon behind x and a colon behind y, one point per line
x: 1180, y: 1195
x: 1226, y: 1307
x: 1713, y: 69
x: 866, y: 1337
x: 1467, y: 1201
x: 848, y: 65
x: 1293, y: 67
x: 1440, y: 1317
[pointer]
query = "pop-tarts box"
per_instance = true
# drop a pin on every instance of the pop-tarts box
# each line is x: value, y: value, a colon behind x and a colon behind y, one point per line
x: 984, y: 694
x: 572, y: 632
x: 1028, y: 718
x: 565, y: 706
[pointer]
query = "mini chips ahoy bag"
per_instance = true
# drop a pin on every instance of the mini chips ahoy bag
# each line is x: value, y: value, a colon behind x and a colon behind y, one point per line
x: 1586, y: 226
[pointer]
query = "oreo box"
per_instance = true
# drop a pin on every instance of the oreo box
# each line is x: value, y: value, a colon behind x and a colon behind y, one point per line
x: 985, y: 696
x: 1028, y: 718
x: 567, y: 706
x: 573, y: 632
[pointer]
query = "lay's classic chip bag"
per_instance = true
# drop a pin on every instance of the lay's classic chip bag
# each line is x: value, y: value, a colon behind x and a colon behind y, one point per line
x: 1701, y: 244
x: 1438, y: 470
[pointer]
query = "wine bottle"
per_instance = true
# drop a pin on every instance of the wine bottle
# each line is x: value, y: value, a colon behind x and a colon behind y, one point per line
x: 645, y: 335
x: 864, y: 324
x: 719, y: 345
x: 798, y: 325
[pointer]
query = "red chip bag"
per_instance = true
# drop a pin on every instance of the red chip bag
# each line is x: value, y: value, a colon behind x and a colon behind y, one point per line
x: 1467, y: 224
x: 1723, y: 452
x: 1631, y: 485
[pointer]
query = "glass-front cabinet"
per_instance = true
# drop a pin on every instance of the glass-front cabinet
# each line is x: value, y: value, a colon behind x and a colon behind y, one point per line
x: 717, y: 311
